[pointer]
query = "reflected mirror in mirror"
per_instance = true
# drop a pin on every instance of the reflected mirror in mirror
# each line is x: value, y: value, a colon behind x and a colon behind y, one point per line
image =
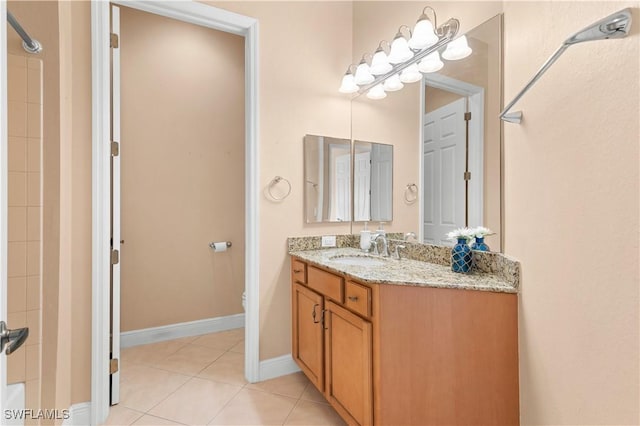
x: 372, y: 182
x: 461, y: 135
x: 327, y: 176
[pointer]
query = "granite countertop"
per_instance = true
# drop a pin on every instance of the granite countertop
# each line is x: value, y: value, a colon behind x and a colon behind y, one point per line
x: 405, y: 272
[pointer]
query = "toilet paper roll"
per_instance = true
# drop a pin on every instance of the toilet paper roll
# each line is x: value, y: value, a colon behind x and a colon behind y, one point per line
x: 220, y: 246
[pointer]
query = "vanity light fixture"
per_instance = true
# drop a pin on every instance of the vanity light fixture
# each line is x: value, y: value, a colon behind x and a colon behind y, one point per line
x: 348, y: 82
x: 380, y: 62
x: 457, y: 49
x: 423, y: 33
x: 363, y: 74
x: 407, y: 57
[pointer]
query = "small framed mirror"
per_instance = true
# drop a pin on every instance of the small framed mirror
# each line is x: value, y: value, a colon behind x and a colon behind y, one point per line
x: 327, y: 179
x: 372, y: 182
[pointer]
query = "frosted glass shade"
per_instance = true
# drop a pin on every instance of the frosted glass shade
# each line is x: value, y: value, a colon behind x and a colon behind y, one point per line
x: 376, y: 92
x: 411, y: 74
x: 363, y: 75
x: 393, y: 83
x: 457, y: 49
x: 380, y: 63
x: 423, y: 35
x: 348, y: 84
x: 431, y: 63
x: 400, y: 51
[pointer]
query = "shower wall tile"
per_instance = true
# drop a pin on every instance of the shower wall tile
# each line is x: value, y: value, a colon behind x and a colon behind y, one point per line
x: 33, y: 258
x: 33, y: 189
x: 17, y: 294
x: 34, y: 89
x: 34, y: 120
x: 18, y: 221
x: 16, y: 61
x: 17, y: 259
x: 17, y: 123
x: 33, y: 322
x: 17, y: 157
x: 17, y: 189
x: 16, y: 366
x: 32, y: 362
x: 33, y: 293
x: 16, y: 85
x: 33, y: 223
x: 33, y: 157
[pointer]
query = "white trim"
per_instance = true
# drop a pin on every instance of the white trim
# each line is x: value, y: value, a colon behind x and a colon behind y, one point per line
x: 176, y: 331
x: 278, y: 366
x: 4, y: 191
x: 79, y: 414
x: 211, y: 17
x: 476, y: 150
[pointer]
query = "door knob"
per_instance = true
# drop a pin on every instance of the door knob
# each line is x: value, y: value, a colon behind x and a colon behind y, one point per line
x: 11, y: 340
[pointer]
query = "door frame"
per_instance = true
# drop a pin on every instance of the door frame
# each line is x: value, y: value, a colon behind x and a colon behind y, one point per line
x: 476, y: 132
x: 207, y: 16
x: 4, y: 192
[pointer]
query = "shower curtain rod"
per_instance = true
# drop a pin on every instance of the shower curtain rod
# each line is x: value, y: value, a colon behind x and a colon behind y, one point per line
x: 29, y: 44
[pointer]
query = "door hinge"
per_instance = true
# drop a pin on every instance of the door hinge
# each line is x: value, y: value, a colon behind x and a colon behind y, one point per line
x: 467, y: 116
x: 115, y: 148
x: 115, y: 257
x: 467, y: 175
x: 114, y: 41
x: 113, y: 366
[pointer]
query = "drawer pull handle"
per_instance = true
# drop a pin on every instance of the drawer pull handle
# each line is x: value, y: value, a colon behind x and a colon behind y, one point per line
x: 297, y: 271
x: 353, y: 298
x: 313, y: 314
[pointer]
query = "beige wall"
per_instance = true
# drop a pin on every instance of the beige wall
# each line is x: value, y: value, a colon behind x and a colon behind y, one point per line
x: 572, y: 214
x: 182, y: 157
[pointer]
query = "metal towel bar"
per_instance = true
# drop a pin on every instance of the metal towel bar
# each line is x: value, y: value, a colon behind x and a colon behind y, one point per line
x: 616, y: 25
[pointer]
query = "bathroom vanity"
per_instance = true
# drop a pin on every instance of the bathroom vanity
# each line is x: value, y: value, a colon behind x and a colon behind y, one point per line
x: 406, y: 342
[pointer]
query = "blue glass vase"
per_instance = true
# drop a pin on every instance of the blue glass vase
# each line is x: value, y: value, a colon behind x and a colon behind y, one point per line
x: 461, y: 257
x: 480, y: 245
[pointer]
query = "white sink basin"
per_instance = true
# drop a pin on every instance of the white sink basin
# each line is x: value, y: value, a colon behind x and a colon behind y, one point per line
x: 356, y: 260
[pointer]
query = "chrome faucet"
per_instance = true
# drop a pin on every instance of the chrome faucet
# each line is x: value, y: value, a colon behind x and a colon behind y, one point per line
x: 410, y: 235
x: 385, y: 245
x: 396, y: 254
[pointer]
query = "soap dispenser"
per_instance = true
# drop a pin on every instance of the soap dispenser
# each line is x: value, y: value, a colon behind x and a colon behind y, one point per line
x: 365, y: 239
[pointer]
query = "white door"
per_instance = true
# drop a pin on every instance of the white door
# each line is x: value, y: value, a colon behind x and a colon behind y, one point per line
x: 444, y: 166
x: 341, y: 187
x: 362, y: 186
x: 115, y: 208
x: 381, y: 182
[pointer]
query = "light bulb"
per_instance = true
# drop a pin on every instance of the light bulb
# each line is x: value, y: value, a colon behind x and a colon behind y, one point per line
x: 348, y: 84
x: 431, y: 63
x: 380, y: 64
x: 376, y: 92
x: 411, y: 74
x: 423, y: 35
x: 363, y: 75
x: 393, y: 83
x: 400, y: 51
x: 457, y: 49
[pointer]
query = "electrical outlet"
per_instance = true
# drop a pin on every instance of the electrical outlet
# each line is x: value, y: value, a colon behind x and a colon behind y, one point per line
x: 328, y: 241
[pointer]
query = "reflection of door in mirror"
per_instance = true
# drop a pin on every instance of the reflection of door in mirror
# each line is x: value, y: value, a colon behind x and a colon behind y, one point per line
x: 327, y: 177
x: 372, y: 182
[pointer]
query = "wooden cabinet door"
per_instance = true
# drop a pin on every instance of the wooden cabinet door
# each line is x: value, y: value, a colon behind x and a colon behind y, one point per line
x: 307, y: 336
x: 348, y: 363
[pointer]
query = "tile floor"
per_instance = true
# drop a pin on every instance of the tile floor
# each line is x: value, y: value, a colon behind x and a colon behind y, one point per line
x: 200, y: 380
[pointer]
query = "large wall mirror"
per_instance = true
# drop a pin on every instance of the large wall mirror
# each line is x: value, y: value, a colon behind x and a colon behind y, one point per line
x: 446, y: 128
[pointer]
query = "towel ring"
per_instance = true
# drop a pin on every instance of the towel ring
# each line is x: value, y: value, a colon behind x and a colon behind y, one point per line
x: 411, y: 193
x: 274, y: 182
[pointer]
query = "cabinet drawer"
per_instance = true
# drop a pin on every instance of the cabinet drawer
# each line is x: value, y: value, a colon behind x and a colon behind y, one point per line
x: 299, y: 271
x: 358, y: 298
x: 325, y: 283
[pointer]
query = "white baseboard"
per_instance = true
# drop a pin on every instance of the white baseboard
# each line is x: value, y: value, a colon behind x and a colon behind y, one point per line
x: 183, y: 329
x: 79, y: 414
x: 276, y: 367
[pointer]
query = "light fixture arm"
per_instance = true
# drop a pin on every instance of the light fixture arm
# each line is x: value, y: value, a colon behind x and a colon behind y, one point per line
x: 435, y: 17
x: 450, y: 29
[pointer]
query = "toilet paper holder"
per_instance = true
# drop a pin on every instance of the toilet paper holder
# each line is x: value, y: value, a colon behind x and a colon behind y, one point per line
x: 213, y: 244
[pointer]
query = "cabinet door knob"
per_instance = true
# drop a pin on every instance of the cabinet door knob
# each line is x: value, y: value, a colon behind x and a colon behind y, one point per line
x: 313, y: 314
x: 353, y: 298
